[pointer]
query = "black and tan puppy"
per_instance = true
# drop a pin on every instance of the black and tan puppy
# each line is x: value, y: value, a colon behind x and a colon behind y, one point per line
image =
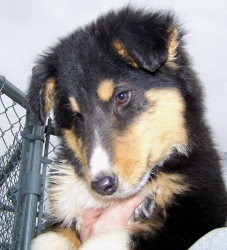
x: 129, y: 109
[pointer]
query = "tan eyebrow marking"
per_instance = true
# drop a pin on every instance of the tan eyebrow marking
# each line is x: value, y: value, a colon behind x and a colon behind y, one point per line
x: 105, y: 90
x: 74, y: 104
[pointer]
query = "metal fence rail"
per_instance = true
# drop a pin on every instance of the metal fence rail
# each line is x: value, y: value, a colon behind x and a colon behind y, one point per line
x: 24, y: 150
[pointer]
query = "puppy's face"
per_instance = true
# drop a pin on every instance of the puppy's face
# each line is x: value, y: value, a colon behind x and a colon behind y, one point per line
x: 120, y: 132
x: 119, y: 115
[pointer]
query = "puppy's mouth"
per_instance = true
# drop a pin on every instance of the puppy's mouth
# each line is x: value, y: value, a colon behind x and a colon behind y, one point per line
x: 125, y: 191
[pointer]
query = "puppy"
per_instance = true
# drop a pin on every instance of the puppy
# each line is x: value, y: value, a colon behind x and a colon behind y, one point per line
x: 129, y: 110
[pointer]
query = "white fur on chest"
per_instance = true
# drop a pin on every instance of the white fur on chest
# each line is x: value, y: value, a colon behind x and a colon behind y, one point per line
x: 69, y: 197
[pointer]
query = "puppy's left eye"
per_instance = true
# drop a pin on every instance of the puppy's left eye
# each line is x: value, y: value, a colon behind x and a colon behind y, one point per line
x: 75, y: 117
x: 123, y: 98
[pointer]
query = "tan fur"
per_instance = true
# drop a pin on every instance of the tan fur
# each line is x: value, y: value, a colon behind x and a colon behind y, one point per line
x: 74, y: 104
x: 123, y: 52
x: 172, y: 49
x: 105, y: 90
x: 151, y: 137
x: 48, y: 92
x: 70, y: 235
x: 150, y: 226
x: 76, y: 145
x: 165, y: 186
x: 167, y: 124
x: 168, y: 186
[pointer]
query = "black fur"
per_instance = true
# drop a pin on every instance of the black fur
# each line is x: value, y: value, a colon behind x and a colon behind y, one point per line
x: 86, y: 57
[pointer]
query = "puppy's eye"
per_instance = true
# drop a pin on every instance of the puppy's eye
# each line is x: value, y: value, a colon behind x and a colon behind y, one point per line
x: 76, y: 117
x: 123, y: 98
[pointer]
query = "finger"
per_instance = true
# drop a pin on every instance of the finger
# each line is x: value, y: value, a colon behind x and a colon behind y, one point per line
x: 119, y: 214
x: 94, y: 213
x: 89, y: 219
x: 130, y: 205
x: 126, y: 208
x: 91, y: 216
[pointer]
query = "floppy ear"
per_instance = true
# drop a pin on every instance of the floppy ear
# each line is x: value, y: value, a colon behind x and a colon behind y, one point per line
x: 41, y: 92
x: 147, y: 47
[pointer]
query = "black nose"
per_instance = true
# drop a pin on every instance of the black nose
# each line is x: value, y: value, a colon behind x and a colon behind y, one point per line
x: 106, y: 185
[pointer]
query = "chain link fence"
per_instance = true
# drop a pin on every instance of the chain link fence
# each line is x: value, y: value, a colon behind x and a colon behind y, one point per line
x: 25, y: 151
x: 12, y: 118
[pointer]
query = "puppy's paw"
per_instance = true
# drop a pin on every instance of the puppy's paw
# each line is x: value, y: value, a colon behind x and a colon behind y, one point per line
x: 52, y: 241
x: 111, y: 240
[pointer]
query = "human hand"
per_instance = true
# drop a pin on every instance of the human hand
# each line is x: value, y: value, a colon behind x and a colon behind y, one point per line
x: 97, y: 221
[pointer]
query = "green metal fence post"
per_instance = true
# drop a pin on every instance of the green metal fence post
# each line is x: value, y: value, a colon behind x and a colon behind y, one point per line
x: 45, y: 161
x: 25, y: 212
x: 32, y: 187
x: 23, y: 166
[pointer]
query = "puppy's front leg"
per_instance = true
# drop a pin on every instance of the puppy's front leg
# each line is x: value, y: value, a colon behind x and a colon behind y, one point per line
x: 66, y: 239
x: 60, y: 239
x: 118, y: 239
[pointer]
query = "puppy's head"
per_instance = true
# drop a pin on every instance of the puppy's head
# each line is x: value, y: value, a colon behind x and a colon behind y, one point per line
x: 116, y: 100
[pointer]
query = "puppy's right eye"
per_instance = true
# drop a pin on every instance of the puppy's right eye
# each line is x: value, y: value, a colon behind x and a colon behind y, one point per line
x: 76, y: 117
